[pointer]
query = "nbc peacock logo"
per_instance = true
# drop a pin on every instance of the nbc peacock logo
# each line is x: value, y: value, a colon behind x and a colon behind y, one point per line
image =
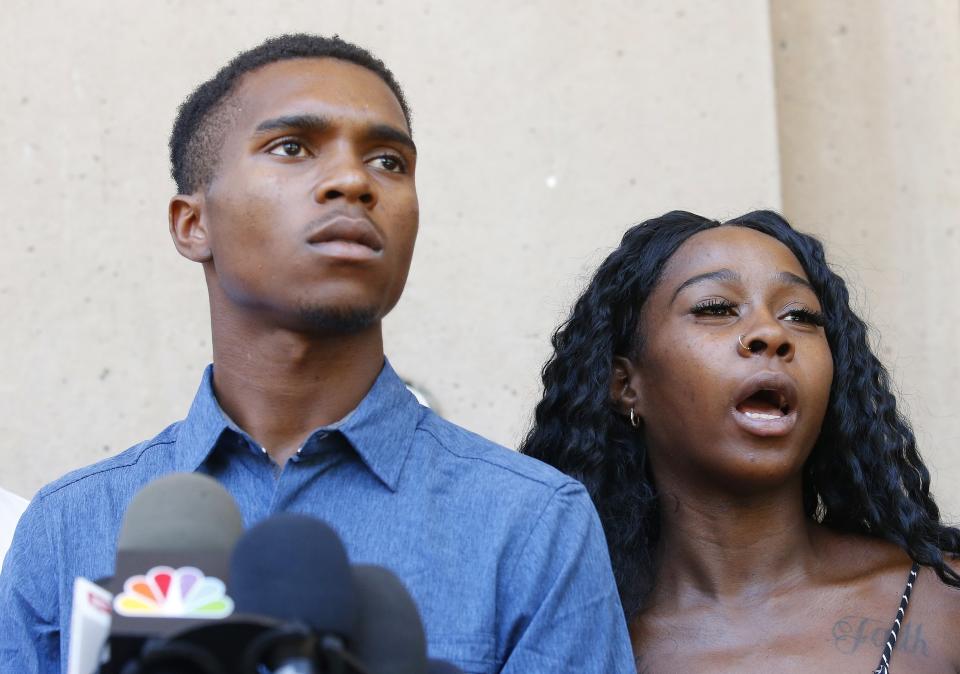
x: 164, y: 592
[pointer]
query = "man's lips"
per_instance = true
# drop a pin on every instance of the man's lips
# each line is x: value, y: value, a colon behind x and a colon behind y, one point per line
x: 766, y: 405
x: 346, y: 237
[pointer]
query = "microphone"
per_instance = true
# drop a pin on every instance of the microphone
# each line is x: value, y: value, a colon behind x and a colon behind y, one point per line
x: 390, y: 637
x: 89, y: 626
x: 173, y: 556
x: 181, y: 512
x: 294, y: 570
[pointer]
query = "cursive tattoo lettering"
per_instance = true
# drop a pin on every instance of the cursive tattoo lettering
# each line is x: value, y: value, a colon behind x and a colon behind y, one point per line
x: 853, y: 631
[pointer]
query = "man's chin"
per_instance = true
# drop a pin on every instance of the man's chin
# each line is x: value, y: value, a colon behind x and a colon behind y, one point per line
x: 337, y: 320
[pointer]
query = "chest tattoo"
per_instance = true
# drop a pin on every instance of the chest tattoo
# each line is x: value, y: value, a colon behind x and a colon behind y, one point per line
x: 852, y: 632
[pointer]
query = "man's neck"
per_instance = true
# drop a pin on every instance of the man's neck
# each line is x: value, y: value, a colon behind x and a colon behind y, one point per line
x: 279, y: 385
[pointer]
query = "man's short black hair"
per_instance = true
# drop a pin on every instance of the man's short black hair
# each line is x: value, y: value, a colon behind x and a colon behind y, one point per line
x: 204, y: 116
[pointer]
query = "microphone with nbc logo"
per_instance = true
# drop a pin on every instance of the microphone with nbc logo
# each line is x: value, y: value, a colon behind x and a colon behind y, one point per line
x: 193, y: 594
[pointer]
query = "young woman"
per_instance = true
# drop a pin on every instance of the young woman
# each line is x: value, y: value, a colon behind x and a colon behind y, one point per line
x: 764, y: 501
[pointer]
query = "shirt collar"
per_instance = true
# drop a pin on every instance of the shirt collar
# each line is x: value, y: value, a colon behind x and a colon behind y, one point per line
x: 200, y: 432
x: 380, y: 428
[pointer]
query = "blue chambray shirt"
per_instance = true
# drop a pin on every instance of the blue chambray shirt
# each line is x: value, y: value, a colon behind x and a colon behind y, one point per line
x: 504, y: 555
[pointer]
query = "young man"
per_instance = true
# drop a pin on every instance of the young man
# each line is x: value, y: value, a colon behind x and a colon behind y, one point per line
x: 295, y: 171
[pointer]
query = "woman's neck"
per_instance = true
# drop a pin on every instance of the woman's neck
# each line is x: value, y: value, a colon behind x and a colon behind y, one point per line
x: 716, y: 547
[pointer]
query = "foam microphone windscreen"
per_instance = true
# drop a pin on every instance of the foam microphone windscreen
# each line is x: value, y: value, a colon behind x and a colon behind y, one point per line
x: 173, y: 556
x: 294, y: 568
x: 442, y: 667
x: 390, y: 637
x: 181, y: 512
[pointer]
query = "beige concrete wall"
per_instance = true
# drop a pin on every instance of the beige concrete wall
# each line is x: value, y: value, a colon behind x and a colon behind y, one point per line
x: 544, y: 130
x: 868, y: 97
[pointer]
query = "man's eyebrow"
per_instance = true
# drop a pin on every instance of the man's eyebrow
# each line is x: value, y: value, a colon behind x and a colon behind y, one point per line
x: 317, y: 124
x: 724, y: 275
x: 391, y: 134
x: 302, y: 123
x: 792, y: 279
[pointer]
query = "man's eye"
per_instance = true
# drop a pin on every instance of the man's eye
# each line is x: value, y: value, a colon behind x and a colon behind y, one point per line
x: 390, y: 162
x: 288, y: 148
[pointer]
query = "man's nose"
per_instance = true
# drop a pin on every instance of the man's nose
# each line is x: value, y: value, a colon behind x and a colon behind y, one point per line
x: 345, y: 176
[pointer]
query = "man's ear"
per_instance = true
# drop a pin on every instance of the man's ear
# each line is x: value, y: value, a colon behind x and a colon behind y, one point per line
x: 188, y: 227
x: 625, y: 386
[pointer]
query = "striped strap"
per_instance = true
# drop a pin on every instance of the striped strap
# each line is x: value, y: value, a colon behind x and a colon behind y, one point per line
x: 884, y: 666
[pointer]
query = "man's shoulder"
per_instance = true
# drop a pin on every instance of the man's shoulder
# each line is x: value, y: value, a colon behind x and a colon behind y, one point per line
x: 489, y: 463
x: 147, y: 457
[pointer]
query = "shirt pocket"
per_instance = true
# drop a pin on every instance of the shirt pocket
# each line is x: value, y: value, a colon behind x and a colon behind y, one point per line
x: 473, y: 653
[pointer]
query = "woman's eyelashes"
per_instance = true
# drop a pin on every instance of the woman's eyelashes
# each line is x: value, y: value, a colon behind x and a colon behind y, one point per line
x: 804, y: 314
x: 718, y: 307
x: 714, y: 307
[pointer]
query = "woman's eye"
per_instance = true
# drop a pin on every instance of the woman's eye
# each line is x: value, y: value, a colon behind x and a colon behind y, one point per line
x: 391, y: 163
x: 804, y: 315
x: 288, y: 148
x: 714, y: 308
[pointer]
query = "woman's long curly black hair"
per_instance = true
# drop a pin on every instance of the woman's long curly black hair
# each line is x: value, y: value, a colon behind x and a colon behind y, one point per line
x: 864, y: 474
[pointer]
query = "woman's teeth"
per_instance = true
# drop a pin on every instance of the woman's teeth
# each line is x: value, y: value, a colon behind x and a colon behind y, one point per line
x: 761, y: 415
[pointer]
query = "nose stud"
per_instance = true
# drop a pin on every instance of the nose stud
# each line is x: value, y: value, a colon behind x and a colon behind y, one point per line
x: 744, y: 347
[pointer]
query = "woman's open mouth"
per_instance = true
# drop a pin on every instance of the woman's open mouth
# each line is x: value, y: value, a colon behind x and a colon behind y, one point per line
x: 767, y: 405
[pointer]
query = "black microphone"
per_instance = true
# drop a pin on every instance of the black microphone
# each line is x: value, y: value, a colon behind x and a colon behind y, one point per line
x: 294, y: 570
x: 173, y: 557
x: 390, y: 637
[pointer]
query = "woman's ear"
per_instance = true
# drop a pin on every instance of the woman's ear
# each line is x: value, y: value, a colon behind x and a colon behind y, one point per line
x: 188, y: 227
x: 625, y: 386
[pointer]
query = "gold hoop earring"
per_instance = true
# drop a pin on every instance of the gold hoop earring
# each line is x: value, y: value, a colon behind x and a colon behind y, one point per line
x: 634, y: 419
x: 742, y: 345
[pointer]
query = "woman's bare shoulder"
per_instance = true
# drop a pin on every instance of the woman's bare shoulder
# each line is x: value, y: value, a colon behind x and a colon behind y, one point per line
x: 933, y: 615
x: 849, y: 557
x: 942, y: 598
x: 878, y: 573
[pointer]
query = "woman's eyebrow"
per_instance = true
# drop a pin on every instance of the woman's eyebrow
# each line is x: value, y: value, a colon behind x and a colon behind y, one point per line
x: 789, y: 278
x: 728, y: 275
x: 725, y: 275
